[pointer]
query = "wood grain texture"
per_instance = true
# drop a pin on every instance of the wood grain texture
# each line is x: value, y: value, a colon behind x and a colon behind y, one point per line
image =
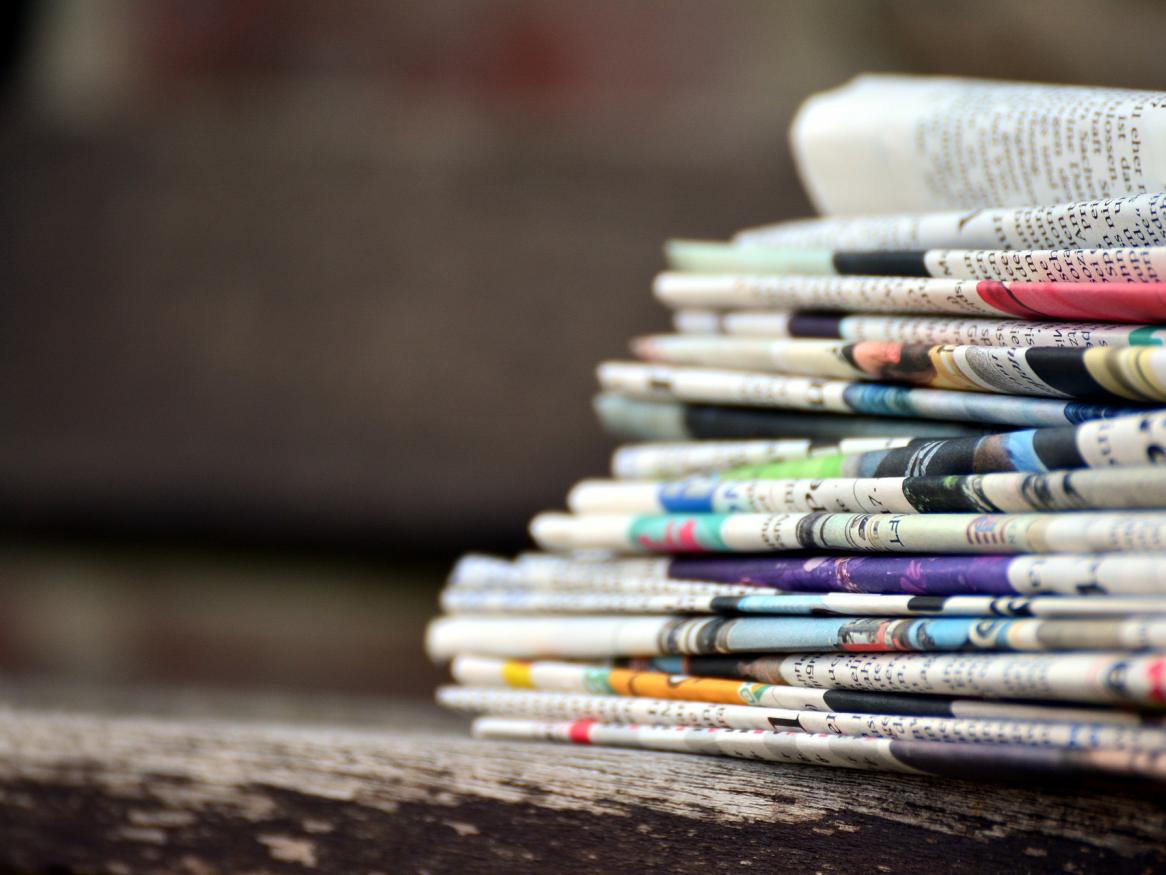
x: 404, y: 789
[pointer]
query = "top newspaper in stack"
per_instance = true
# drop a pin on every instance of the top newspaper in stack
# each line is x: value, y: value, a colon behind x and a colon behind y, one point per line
x: 884, y: 144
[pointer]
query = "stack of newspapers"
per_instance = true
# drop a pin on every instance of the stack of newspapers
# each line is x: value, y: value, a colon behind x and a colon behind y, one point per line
x: 898, y: 465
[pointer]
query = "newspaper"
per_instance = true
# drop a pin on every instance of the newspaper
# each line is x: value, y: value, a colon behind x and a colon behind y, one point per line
x: 1117, y: 488
x: 1114, y: 375
x: 729, y: 289
x: 1143, y: 267
x: 1097, y: 574
x: 681, y: 600
x: 654, y: 461
x: 898, y: 143
x: 1084, y: 532
x: 1127, y: 440
x: 640, y: 419
x: 1129, y: 221
x: 1119, y: 678
x: 607, y: 680
x: 603, y: 637
x: 957, y: 759
x: 708, y: 385
x: 678, y: 712
x: 930, y: 330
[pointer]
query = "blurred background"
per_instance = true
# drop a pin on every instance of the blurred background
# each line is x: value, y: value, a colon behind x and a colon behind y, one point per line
x: 300, y: 300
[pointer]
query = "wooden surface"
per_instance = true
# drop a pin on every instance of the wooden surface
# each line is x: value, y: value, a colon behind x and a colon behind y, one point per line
x: 129, y: 782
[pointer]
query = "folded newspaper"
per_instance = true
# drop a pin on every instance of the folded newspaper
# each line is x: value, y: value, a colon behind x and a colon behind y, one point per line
x: 894, y: 496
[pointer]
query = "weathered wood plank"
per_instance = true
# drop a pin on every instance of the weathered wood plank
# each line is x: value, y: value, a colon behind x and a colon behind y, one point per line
x: 86, y: 791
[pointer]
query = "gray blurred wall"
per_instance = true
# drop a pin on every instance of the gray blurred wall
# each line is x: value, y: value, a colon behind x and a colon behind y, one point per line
x: 341, y: 272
